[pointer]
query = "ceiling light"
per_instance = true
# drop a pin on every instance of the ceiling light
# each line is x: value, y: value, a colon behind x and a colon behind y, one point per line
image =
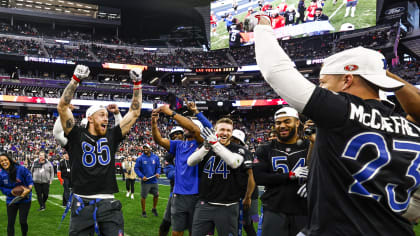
x: 47, y: 8
x: 67, y: 11
x: 27, y: 5
x: 16, y: 89
x: 34, y: 91
x: 58, y: 9
x: 70, y: 3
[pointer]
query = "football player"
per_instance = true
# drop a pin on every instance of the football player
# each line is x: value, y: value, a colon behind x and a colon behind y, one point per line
x: 365, y: 161
x: 92, y: 159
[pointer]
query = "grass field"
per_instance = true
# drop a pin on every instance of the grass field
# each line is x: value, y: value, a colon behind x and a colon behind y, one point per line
x: 365, y: 16
x: 46, y: 222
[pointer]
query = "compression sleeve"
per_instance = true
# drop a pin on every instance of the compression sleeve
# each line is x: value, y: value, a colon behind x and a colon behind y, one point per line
x: 118, y: 118
x: 58, y: 133
x: 278, y: 70
x: 234, y: 160
x: 197, y: 156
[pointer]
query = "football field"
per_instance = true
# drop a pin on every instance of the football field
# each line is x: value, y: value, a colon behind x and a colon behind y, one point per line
x: 365, y: 16
x: 46, y: 223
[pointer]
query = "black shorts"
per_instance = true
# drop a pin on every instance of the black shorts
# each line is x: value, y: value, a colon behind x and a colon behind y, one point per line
x: 182, y: 211
x: 109, y: 217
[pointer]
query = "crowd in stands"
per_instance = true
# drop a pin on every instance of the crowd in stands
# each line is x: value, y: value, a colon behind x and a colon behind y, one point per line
x: 26, y: 135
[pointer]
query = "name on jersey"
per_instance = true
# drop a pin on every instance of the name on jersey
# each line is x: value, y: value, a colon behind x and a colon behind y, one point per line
x: 391, y: 124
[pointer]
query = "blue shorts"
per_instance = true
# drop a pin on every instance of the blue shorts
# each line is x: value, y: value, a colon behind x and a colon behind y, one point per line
x: 351, y: 4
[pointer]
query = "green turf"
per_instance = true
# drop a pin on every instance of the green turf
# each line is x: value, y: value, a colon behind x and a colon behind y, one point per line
x: 365, y: 16
x: 46, y: 222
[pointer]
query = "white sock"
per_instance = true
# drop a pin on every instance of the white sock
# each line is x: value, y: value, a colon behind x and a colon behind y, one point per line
x: 353, y: 9
x: 347, y: 11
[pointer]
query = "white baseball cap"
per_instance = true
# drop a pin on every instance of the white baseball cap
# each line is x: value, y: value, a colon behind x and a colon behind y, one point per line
x: 286, y: 111
x: 146, y: 145
x: 368, y: 63
x: 84, y: 122
x: 94, y: 109
x: 238, y: 134
x: 176, y: 129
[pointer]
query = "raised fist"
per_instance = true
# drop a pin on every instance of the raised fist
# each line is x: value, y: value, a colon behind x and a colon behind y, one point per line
x: 81, y: 72
x: 135, y: 75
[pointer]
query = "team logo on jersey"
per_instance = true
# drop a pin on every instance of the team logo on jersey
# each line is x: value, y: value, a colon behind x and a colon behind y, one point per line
x: 145, y: 162
x: 153, y: 162
x: 6, y: 181
x: 351, y: 67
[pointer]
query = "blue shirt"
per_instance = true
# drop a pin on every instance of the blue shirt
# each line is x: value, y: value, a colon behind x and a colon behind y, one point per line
x: 23, y: 177
x: 147, y: 166
x: 186, y: 177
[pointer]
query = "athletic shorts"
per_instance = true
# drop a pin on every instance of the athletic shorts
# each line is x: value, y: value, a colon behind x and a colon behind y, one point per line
x: 208, y: 216
x: 109, y: 217
x: 351, y: 4
x: 182, y: 211
x: 149, y: 188
x: 276, y: 223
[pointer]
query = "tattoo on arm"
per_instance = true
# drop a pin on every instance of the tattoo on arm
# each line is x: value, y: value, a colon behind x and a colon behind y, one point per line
x: 135, y: 105
x: 69, y: 92
x: 69, y: 123
x: 136, y: 93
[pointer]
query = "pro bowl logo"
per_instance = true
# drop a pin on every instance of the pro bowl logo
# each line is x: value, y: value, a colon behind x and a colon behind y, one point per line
x: 351, y: 67
x: 395, y: 10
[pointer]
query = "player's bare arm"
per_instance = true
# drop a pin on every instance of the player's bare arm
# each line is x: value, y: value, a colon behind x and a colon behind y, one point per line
x: 157, y: 137
x: 63, y: 107
x: 182, y: 121
x: 135, y: 108
x: 246, y: 202
x: 409, y: 98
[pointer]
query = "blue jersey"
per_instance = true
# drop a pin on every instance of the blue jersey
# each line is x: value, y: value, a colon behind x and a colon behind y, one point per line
x: 147, y: 166
x: 23, y: 177
x: 186, y: 177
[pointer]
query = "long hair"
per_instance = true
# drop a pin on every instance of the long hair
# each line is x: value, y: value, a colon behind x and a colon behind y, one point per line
x: 12, y: 167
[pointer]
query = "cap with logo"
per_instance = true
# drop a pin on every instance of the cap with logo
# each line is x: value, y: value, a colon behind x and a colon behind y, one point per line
x: 238, y: 134
x: 368, y: 63
x: 176, y: 129
x: 286, y: 111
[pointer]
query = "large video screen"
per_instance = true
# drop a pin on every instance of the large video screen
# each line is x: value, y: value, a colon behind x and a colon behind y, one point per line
x: 232, y: 23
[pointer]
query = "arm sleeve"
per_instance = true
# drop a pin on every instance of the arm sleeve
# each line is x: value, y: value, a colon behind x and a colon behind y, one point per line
x: 197, y: 156
x: 234, y: 160
x: 58, y: 133
x: 137, y: 168
x: 118, y: 118
x: 204, y: 120
x: 278, y: 70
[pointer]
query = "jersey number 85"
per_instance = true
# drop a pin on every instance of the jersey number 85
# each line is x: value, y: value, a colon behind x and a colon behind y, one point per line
x: 89, y: 157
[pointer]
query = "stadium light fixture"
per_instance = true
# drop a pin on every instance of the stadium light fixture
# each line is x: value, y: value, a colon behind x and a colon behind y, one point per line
x: 154, y: 81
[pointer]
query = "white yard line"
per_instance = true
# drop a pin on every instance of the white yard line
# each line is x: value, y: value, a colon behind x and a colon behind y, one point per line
x: 336, y: 10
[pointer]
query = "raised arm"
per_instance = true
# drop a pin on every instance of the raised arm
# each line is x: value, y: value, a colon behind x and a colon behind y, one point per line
x: 198, y: 155
x: 63, y: 107
x: 134, y: 112
x: 157, y: 137
x: 113, y: 108
x: 182, y: 121
x: 409, y: 98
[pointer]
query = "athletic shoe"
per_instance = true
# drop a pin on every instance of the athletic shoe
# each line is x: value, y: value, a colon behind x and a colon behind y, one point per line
x: 128, y: 194
x: 154, y: 212
x: 41, y: 209
x: 144, y: 215
x: 132, y: 196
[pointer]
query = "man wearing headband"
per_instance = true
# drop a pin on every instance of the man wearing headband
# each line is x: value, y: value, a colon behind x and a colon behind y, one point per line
x: 281, y: 168
x: 366, y: 157
x: 92, y: 159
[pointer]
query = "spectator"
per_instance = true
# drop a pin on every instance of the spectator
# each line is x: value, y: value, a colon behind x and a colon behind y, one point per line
x: 43, y: 175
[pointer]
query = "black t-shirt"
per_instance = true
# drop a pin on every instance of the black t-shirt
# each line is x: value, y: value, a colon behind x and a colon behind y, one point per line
x: 64, y: 168
x: 220, y: 183
x: 276, y: 160
x: 92, y: 161
x: 364, y: 166
x: 290, y: 17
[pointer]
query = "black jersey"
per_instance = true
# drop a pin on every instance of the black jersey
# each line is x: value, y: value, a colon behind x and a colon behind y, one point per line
x: 234, y: 38
x: 274, y: 162
x: 364, y: 166
x: 290, y: 17
x: 92, y: 161
x: 219, y: 183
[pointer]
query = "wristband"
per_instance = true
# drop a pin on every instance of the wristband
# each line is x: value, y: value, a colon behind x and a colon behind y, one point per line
x: 173, y: 114
x: 75, y: 78
x: 291, y: 174
x: 137, y: 83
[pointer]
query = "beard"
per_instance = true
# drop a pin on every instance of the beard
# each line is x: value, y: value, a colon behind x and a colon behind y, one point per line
x: 99, y: 130
x: 291, y: 134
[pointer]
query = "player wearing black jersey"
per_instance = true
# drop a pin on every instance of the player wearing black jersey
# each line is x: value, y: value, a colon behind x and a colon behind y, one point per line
x: 92, y: 160
x: 366, y: 158
x: 223, y: 181
x: 281, y: 168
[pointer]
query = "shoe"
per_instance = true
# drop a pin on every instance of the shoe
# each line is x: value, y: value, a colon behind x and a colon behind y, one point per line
x: 128, y: 194
x: 144, y: 215
x: 132, y: 196
x: 41, y: 209
x: 154, y: 212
